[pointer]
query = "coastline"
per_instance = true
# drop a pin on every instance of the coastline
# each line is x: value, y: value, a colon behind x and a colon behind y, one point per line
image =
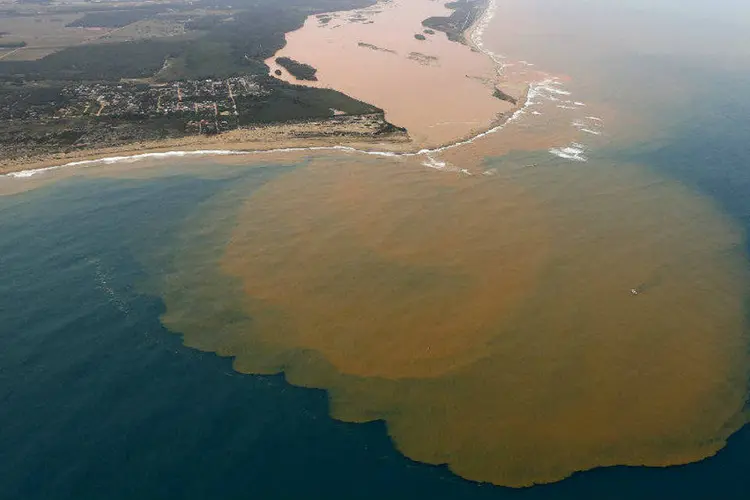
x: 282, y: 137
x: 382, y: 63
x: 137, y: 152
x: 241, y: 142
x: 620, y: 269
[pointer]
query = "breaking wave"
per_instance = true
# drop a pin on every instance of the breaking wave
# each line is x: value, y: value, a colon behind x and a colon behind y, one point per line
x: 547, y: 89
x: 574, y: 152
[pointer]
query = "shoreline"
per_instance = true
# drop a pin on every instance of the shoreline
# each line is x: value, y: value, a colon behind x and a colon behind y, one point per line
x: 243, y: 141
x: 463, y: 104
x: 279, y: 138
x: 192, y: 148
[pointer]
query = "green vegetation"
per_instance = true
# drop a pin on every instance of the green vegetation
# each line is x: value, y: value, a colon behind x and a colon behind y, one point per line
x: 323, y: 18
x: 465, y: 12
x: 419, y: 36
x: 12, y: 45
x: 423, y: 59
x: 300, y: 71
x: 292, y: 102
x: 206, y: 23
x: 228, y: 46
x: 27, y: 139
x: 208, y: 59
x: 375, y: 47
x: 210, y: 79
x: 504, y: 97
x: 105, y: 62
x: 116, y: 18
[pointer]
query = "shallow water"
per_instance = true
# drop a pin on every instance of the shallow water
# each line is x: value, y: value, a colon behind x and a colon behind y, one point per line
x: 441, y: 91
x: 485, y: 320
x: 480, y: 312
x: 101, y: 400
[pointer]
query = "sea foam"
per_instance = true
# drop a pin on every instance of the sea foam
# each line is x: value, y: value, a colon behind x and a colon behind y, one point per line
x: 573, y: 152
x: 545, y: 89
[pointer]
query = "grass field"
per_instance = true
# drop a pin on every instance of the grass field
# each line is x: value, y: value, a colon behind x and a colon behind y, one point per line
x: 49, y: 33
x: 43, y: 34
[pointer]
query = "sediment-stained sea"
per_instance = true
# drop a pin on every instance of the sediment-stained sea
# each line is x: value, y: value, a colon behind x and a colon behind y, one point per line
x: 566, y: 294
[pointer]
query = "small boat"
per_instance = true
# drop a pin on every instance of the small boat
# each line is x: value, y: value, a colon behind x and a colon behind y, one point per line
x: 634, y: 291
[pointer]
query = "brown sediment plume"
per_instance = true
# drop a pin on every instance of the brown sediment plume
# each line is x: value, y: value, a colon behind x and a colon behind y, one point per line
x: 439, y: 90
x: 439, y: 299
x: 489, y: 321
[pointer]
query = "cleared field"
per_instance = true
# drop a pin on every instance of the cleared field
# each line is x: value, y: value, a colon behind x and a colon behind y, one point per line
x: 27, y: 54
x: 143, y: 30
x: 46, y: 34
x: 43, y: 34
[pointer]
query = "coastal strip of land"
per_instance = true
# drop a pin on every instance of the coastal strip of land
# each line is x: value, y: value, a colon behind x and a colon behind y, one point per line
x: 439, y: 85
x: 163, y: 74
x: 302, y: 136
x: 358, y: 127
x: 361, y: 132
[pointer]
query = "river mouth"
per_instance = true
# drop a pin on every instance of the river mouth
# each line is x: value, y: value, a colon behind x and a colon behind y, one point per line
x: 520, y: 307
x: 441, y: 91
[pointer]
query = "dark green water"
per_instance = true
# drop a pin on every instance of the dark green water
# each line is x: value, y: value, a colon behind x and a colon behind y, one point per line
x: 100, y: 401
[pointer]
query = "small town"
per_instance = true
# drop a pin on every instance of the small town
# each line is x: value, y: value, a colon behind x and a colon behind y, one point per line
x: 209, y: 105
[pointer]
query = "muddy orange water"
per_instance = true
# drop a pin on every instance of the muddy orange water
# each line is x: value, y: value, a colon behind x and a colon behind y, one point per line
x: 489, y: 320
x: 439, y: 90
x: 520, y: 308
x: 524, y: 309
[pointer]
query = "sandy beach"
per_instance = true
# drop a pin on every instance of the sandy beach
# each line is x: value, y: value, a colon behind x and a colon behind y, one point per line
x: 310, y: 134
x: 440, y: 90
x: 443, y: 95
x: 509, y: 296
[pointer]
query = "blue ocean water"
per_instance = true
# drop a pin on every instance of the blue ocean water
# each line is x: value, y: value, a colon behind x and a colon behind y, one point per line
x: 100, y: 401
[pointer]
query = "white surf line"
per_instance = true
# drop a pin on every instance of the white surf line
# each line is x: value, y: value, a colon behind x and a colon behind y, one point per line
x: 536, y: 89
x: 110, y: 160
x: 533, y: 92
x: 590, y: 131
x: 546, y: 89
x: 476, y: 34
x: 520, y: 111
x: 431, y: 162
x: 237, y: 152
x: 588, y: 125
x: 574, y: 152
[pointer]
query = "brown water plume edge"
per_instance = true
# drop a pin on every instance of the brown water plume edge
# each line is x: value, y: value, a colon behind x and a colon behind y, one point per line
x: 487, y: 320
x: 255, y: 142
x: 310, y: 135
x: 251, y: 143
